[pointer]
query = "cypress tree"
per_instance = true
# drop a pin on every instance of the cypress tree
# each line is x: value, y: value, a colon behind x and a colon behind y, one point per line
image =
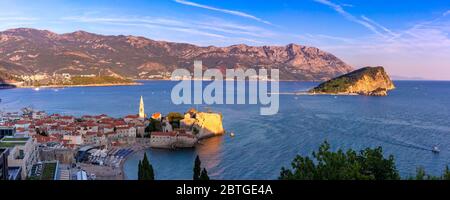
x: 197, y: 168
x: 147, y: 169
x: 204, y: 175
x: 140, y: 170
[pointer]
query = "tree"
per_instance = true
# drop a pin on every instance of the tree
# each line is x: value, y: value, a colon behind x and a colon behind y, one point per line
x: 368, y: 164
x: 175, y: 118
x: 446, y: 175
x: 204, y: 175
x: 154, y: 126
x: 140, y: 170
x: 197, y: 168
x: 422, y: 175
x: 145, y: 171
x: 199, y: 173
x: 195, y: 130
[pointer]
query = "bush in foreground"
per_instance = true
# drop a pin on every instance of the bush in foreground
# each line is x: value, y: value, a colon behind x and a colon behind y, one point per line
x: 368, y: 164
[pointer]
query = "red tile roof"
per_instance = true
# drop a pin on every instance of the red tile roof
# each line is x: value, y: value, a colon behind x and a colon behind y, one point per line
x: 171, y: 134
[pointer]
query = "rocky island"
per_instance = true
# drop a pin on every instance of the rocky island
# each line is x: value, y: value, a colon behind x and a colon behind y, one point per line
x: 369, y: 81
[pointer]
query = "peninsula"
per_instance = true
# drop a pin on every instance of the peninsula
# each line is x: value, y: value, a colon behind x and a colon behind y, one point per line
x: 96, y: 146
x: 369, y: 81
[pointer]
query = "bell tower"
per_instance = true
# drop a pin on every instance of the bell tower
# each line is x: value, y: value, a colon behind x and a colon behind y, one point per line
x: 141, y: 109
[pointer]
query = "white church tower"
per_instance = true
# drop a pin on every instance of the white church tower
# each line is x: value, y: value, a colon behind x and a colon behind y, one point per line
x: 141, y: 109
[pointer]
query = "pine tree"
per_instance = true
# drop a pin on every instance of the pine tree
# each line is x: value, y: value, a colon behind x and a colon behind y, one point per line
x: 446, y: 175
x: 204, y: 175
x: 146, y: 169
x: 197, y: 168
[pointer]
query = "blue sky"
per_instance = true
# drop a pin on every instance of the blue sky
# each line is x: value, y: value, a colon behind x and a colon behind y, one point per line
x: 410, y: 38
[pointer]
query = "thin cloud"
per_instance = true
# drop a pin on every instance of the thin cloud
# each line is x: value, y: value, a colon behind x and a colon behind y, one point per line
x: 203, y: 27
x: 379, y: 26
x: 339, y: 9
x: 446, y: 13
x: 146, y: 23
x: 17, y: 19
x: 231, y: 12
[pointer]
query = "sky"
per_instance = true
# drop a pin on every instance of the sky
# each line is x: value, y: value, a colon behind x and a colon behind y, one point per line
x: 410, y: 38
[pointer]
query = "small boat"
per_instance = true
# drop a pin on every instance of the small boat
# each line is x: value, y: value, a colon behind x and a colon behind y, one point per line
x: 232, y: 134
x: 435, y: 149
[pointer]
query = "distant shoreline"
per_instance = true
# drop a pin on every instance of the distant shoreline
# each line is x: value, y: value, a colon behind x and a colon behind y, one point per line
x: 306, y: 93
x: 223, y: 80
x: 137, y: 83
x: 87, y: 85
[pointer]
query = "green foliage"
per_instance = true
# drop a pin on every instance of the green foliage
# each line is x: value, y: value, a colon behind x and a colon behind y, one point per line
x: 48, y: 172
x: 199, y: 173
x: 446, y: 175
x: 195, y: 130
x: 145, y: 169
x: 175, y: 118
x: 341, y: 83
x: 368, y: 164
x: 204, y: 175
x: 154, y: 126
x: 334, y: 86
x: 421, y: 174
x: 140, y: 170
x: 78, y: 80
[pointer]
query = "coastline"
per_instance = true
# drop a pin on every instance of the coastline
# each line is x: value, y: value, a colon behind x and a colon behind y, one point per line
x: 304, y: 93
x: 86, y: 85
x: 316, y: 81
x: 140, y: 146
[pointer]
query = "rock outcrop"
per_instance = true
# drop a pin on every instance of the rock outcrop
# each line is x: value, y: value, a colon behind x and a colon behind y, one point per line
x: 210, y: 124
x: 31, y: 51
x: 370, y: 81
x: 207, y: 124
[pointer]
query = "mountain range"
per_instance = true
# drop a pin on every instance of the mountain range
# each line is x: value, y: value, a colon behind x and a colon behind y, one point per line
x: 25, y: 51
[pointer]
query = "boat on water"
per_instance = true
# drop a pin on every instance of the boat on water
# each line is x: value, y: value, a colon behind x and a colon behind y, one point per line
x: 436, y: 149
x: 232, y: 134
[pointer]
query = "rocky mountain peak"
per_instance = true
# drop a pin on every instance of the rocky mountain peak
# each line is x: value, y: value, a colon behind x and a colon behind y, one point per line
x: 81, y: 52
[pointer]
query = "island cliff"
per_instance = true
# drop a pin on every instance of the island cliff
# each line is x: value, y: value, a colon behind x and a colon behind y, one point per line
x: 370, y: 81
x: 206, y: 124
x: 210, y: 124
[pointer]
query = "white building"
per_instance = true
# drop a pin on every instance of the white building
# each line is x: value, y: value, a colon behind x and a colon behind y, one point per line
x: 75, y: 139
x: 170, y: 140
x: 39, y: 115
x: 23, y: 152
x: 66, y: 76
x: 126, y: 131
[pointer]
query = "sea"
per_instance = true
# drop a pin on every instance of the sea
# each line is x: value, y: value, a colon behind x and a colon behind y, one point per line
x: 408, y: 123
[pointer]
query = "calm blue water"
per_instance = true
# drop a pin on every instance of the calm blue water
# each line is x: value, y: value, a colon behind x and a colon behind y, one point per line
x: 407, y: 123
